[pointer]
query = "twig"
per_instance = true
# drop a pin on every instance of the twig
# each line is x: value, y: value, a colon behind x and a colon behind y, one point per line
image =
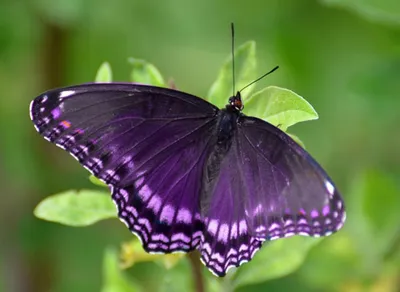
x: 197, y: 271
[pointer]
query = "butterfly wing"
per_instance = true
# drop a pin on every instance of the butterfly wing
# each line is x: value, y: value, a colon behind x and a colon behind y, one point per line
x: 287, y: 191
x: 268, y: 187
x: 147, y: 143
x: 227, y: 241
x: 153, y: 147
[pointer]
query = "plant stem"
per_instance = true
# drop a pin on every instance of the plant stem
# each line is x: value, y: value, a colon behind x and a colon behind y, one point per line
x: 197, y: 271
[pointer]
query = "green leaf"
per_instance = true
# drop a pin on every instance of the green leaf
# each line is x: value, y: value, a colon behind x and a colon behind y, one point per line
x: 145, y: 73
x: 76, y: 208
x: 280, y: 107
x: 330, y: 263
x: 114, y: 278
x: 245, y: 72
x: 276, y: 259
x: 374, y: 205
x: 381, y: 208
x: 94, y: 180
x: 104, y: 74
x: 297, y: 140
x: 383, y: 211
x: 132, y: 252
x: 62, y: 13
x: 384, y: 11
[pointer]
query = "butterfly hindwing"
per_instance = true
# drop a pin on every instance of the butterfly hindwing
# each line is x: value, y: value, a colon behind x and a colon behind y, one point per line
x: 287, y: 192
x: 227, y: 240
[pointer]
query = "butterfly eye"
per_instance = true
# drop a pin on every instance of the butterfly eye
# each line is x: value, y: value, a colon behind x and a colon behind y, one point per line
x: 236, y: 102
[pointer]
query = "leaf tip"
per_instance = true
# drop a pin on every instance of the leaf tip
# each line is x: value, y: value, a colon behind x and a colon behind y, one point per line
x: 104, y: 73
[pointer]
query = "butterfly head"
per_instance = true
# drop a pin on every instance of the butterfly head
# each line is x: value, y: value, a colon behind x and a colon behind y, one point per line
x: 236, y: 102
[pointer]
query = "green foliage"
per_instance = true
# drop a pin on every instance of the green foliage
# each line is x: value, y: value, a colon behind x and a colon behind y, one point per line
x: 380, y: 211
x: 114, y: 278
x: 59, y: 12
x: 275, y: 259
x: 280, y: 107
x: 385, y: 11
x: 145, y: 73
x: 104, y: 74
x: 76, y: 208
x: 245, y: 72
x: 374, y: 201
x: 94, y: 180
x: 132, y: 253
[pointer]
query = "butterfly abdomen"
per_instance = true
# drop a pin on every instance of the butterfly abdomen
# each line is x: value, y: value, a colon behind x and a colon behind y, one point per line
x: 225, y: 130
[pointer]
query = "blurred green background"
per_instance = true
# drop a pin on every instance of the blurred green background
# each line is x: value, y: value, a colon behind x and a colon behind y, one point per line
x: 342, y: 56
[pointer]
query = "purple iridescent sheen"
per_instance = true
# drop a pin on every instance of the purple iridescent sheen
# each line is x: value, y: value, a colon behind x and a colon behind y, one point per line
x: 185, y: 175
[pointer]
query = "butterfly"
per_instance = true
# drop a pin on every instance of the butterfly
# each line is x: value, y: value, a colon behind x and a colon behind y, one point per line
x: 187, y: 175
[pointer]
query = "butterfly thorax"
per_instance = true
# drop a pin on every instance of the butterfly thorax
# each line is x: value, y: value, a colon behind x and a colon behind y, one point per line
x: 226, y: 128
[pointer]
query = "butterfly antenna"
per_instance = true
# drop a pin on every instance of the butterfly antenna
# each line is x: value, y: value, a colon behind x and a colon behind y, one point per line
x: 233, y: 58
x: 259, y: 78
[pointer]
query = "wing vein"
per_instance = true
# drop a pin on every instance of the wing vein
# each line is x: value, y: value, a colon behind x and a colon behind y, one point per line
x: 174, y: 142
x: 262, y: 154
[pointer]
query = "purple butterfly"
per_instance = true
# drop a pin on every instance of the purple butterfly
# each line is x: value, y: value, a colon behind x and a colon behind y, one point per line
x: 186, y: 175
